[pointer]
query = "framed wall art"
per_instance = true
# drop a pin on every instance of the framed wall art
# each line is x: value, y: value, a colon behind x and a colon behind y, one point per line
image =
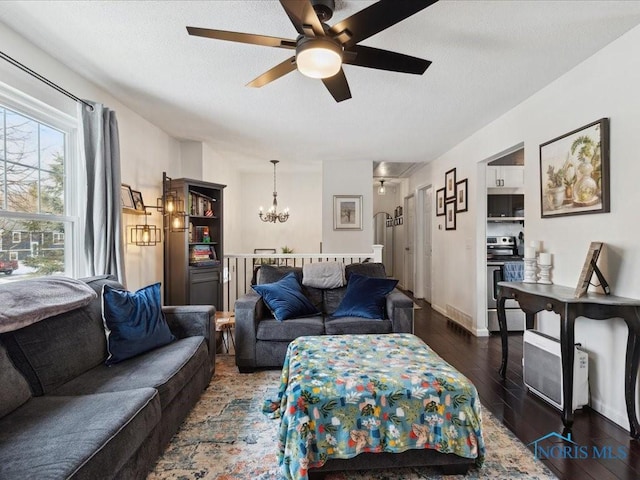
x: 461, y: 196
x: 574, y: 172
x: 440, y: 202
x: 450, y: 215
x: 138, y: 203
x: 450, y: 184
x: 126, y: 198
x: 347, y: 212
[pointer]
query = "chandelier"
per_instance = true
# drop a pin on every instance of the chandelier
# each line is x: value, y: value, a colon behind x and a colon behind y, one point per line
x: 272, y: 214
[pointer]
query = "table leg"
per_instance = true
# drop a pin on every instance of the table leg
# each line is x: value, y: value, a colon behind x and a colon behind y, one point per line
x: 502, y: 321
x: 567, y: 349
x: 630, y: 377
x: 530, y: 320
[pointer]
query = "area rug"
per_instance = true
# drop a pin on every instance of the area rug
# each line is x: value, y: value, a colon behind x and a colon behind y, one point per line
x: 227, y: 437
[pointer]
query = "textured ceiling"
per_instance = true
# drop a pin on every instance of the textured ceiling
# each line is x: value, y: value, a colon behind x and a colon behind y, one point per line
x: 487, y: 56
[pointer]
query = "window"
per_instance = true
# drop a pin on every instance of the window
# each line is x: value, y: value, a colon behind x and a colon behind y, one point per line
x: 37, y: 178
x: 13, y: 255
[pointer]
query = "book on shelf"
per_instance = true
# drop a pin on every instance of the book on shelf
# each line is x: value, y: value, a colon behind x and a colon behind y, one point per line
x: 201, y: 255
x: 201, y: 205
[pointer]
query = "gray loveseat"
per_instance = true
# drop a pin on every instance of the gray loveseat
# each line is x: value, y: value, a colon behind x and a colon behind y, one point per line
x: 262, y: 341
x: 81, y: 419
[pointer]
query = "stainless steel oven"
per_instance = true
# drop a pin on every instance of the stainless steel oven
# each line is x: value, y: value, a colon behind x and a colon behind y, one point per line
x: 499, y: 251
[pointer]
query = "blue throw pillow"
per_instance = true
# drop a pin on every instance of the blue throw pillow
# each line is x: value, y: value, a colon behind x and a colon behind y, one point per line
x: 365, y: 297
x: 285, y: 298
x: 134, y: 322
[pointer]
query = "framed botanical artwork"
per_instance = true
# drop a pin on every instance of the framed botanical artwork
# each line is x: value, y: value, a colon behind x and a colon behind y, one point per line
x: 450, y: 184
x: 126, y: 199
x: 138, y: 203
x: 347, y: 212
x: 461, y: 196
x: 440, y: 202
x: 574, y: 172
x: 450, y: 215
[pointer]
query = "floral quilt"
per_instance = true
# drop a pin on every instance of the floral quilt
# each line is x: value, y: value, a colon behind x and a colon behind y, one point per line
x: 341, y: 395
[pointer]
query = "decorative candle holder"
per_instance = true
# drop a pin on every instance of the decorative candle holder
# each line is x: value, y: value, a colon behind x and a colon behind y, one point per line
x: 530, y: 275
x: 545, y: 274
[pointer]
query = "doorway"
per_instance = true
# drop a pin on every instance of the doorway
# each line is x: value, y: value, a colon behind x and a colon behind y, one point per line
x: 424, y: 202
x: 409, y: 246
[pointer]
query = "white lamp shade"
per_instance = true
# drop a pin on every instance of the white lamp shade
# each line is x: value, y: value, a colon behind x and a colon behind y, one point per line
x: 319, y: 58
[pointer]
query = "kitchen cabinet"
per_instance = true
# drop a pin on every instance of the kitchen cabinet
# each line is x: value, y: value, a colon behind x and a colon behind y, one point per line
x: 505, y: 176
x: 193, y: 255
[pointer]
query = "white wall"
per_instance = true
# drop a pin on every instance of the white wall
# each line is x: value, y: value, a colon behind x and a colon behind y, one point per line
x: 301, y: 192
x: 347, y: 178
x: 605, y: 85
x: 145, y: 150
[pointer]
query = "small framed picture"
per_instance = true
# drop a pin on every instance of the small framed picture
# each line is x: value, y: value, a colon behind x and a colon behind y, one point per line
x: 126, y: 199
x: 450, y: 184
x: 138, y: 203
x: 347, y: 212
x: 450, y: 216
x: 588, y: 268
x: 440, y: 202
x: 461, y: 196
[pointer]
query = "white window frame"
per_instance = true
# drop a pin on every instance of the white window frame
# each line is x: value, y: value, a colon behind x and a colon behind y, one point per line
x: 46, y: 114
x: 58, y: 238
x: 16, y: 237
x: 13, y: 255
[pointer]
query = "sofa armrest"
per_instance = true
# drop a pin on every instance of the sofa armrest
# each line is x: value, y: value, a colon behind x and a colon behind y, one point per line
x: 249, y: 309
x: 400, y: 311
x: 193, y: 320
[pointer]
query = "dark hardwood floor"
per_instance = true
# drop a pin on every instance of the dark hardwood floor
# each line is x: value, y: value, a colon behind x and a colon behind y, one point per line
x: 528, y: 417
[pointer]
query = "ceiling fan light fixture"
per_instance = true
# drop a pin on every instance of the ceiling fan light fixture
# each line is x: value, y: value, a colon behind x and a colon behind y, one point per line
x: 318, y: 57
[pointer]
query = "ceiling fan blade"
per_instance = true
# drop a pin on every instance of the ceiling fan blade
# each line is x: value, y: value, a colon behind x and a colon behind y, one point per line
x: 303, y: 17
x: 276, y: 72
x: 375, y: 18
x: 338, y: 86
x: 385, y: 60
x: 242, y: 37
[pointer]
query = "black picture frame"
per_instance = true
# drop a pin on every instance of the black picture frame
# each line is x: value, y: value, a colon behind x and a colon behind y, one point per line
x: 440, y: 208
x: 574, y: 172
x: 138, y: 202
x: 450, y: 215
x: 461, y: 195
x: 450, y: 184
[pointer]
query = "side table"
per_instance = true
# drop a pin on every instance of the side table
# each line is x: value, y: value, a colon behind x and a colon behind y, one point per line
x: 226, y: 324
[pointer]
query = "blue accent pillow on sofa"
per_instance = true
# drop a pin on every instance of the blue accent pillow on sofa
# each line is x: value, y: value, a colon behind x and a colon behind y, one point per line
x: 365, y: 297
x: 285, y: 298
x: 134, y: 322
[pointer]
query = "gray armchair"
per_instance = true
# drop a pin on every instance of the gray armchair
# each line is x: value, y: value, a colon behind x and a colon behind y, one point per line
x: 262, y: 341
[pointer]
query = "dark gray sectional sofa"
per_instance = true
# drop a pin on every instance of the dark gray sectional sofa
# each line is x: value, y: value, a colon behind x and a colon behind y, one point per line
x: 262, y: 341
x: 84, y: 420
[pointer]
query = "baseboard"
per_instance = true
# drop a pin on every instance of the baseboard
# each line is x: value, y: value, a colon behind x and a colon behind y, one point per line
x: 616, y: 416
x: 481, y: 332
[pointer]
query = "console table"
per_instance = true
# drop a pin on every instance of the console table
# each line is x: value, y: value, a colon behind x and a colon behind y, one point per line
x: 535, y: 297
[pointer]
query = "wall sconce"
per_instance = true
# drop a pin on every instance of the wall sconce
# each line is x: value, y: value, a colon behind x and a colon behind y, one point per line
x: 145, y: 235
x: 172, y: 206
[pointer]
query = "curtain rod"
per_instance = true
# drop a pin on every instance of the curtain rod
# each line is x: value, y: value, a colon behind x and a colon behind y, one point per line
x: 26, y: 69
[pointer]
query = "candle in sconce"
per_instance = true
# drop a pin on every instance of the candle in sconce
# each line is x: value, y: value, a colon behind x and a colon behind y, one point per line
x: 535, y: 244
x: 529, y: 252
x: 544, y: 259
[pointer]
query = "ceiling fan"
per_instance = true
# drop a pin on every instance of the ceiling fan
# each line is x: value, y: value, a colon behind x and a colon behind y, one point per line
x: 320, y: 50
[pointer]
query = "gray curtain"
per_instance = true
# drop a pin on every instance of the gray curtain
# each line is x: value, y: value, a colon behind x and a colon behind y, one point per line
x: 103, y: 239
